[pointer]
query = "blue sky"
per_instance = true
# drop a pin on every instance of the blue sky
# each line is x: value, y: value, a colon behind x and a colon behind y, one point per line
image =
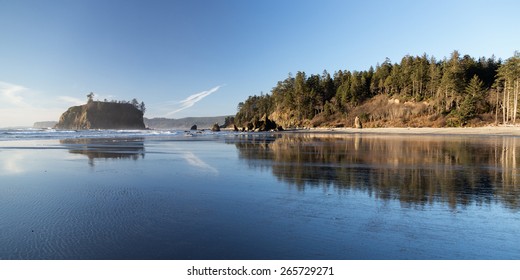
x: 201, y: 58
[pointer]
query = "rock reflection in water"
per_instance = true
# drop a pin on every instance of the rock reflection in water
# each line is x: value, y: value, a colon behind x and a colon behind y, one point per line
x: 132, y: 148
x: 416, y: 170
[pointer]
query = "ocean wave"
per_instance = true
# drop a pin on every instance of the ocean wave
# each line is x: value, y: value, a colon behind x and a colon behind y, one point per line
x: 35, y: 134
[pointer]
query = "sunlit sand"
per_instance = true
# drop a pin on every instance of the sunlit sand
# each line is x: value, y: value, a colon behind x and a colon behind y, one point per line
x: 484, y: 131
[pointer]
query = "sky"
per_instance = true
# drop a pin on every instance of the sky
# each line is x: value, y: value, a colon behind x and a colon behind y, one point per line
x: 201, y: 58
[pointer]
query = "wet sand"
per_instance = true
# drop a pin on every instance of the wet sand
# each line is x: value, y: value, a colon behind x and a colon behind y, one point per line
x: 233, y: 196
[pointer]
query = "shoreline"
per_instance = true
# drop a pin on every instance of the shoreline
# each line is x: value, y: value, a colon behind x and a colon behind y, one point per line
x: 475, y: 131
x: 508, y: 130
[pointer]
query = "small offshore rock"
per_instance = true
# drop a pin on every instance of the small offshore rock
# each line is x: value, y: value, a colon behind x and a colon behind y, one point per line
x: 357, y: 123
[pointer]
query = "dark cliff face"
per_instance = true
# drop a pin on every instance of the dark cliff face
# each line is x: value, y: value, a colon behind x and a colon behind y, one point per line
x: 102, y: 115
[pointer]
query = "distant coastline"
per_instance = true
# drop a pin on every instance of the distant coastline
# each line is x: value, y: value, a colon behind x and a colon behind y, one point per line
x: 185, y: 123
x: 161, y: 123
x: 44, y: 124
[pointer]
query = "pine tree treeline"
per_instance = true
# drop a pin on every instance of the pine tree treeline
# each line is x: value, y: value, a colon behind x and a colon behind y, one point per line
x: 140, y: 106
x: 457, y: 90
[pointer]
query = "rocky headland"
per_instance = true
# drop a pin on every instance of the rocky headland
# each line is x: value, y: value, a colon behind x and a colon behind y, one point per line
x: 102, y: 115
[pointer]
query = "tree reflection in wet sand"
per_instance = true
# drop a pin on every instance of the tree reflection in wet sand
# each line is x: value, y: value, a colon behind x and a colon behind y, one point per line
x: 416, y: 170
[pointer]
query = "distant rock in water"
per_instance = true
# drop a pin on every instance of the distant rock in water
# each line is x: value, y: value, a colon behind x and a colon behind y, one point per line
x: 102, y: 115
x: 47, y: 124
x: 193, y: 127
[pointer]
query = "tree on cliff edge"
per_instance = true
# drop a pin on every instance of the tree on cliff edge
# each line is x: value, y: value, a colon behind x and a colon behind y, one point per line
x: 90, y: 97
x: 135, y: 103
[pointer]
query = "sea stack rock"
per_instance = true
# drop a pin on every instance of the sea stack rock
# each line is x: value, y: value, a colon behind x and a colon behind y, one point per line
x: 102, y: 115
x: 215, y: 127
x: 193, y: 127
x: 357, y: 123
x: 264, y: 124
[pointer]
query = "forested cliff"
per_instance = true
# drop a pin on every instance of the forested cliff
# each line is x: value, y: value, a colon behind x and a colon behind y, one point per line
x: 418, y: 91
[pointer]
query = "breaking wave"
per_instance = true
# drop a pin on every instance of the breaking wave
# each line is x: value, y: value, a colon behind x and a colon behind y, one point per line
x: 36, y: 134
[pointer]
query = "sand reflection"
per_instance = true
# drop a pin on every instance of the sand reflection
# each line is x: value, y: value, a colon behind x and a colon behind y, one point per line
x: 416, y: 170
x: 132, y: 148
x: 195, y: 161
x: 12, y: 163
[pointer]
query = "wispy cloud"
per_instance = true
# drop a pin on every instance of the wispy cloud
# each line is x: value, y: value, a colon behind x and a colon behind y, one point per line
x: 12, y: 94
x: 23, y: 106
x: 192, y: 99
x: 71, y: 100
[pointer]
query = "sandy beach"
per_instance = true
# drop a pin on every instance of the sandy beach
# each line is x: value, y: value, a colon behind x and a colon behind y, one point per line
x: 484, y: 131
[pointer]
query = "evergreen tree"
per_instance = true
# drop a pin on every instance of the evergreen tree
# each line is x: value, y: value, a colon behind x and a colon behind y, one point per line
x: 90, y: 97
x: 300, y: 94
x: 434, y: 77
x: 452, y: 81
x: 508, y: 78
x: 135, y: 103
x: 382, y: 72
x: 474, y: 102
